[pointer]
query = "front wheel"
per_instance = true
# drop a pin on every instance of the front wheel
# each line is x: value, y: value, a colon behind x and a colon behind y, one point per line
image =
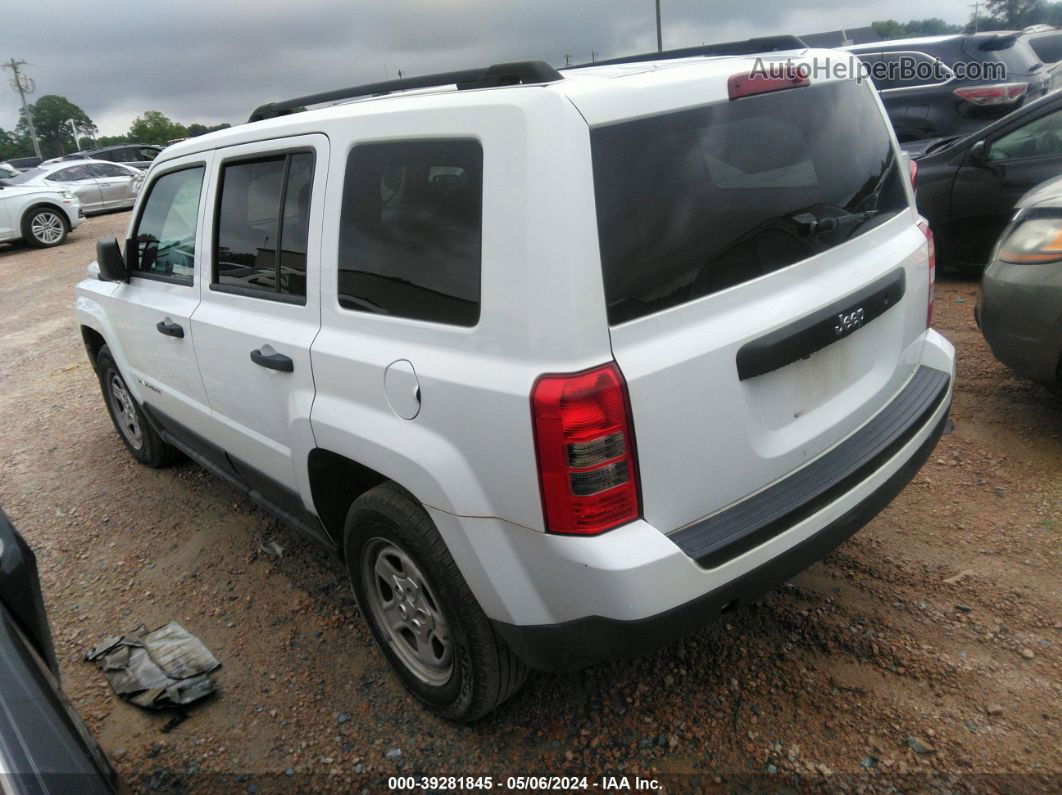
x: 421, y: 611
x: 44, y: 227
x: 135, y: 431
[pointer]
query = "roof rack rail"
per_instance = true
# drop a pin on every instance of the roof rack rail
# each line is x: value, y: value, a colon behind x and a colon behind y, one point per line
x: 502, y: 74
x: 747, y: 47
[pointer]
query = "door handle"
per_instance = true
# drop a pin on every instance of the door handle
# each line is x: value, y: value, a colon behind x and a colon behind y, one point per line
x: 169, y: 328
x: 272, y: 360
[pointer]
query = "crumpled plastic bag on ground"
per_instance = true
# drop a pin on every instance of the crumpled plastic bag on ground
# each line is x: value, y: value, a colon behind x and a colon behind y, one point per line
x: 166, y: 667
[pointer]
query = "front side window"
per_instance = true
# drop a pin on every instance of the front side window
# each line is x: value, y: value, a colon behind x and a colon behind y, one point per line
x: 411, y: 230
x: 1039, y: 138
x: 263, y: 209
x: 696, y: 201
x: 165, y: 233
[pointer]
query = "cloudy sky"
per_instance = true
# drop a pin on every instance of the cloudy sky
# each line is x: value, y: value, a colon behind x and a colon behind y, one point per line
x: 215, y: 60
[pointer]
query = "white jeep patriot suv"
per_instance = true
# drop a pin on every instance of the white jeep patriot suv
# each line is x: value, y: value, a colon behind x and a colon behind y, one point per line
x: 563, y: 365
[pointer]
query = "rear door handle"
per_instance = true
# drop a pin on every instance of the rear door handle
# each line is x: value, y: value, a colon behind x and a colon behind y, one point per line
x: 272, y: 360
x: 169, y: 328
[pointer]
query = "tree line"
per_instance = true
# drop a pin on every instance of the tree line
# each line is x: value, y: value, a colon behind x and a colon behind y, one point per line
x: 52, y: 115
x: 999, y: 15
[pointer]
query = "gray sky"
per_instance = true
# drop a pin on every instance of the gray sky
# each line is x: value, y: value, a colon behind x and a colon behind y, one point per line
x: 215, y: 60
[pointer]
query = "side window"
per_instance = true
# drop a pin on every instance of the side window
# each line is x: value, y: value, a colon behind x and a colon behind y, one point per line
x: 263, y: 209
x: 147, y: 153
x: 107, y: 170
x: 126, y: 154
x: 72, y: 174
x: 1039, y: 138
x: 411, y: 230
x: 907, y: 69
x: 165, y: 231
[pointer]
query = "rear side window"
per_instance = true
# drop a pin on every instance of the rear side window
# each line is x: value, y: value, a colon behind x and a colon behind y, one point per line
x: 1048, y: 47
x: 263, y: 209
x: 694, y: 202
x: 409, y: 242
x: 165, y: 232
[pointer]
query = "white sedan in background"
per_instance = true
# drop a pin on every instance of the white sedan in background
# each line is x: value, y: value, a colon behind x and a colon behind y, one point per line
x: 42, y: 216
x: 99, y: 185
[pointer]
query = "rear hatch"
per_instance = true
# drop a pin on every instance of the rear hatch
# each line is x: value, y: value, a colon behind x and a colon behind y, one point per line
x: 765, y: 278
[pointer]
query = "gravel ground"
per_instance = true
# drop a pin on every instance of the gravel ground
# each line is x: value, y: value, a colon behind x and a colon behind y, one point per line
x: 922, y: 654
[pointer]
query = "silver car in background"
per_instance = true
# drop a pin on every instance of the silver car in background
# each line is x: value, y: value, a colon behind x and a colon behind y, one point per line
x: 101, y: 186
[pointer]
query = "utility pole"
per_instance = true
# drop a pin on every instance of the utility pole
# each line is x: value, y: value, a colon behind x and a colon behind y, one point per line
x: 593, y: 56
x: 77, y: 140
x: 976, y: 6
x: 659, y: 33
x: 567, y: 60
x: 24, y: 85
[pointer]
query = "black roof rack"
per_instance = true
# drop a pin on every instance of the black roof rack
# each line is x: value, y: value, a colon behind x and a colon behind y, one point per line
x: 747, y: 47
x: 502, y: 74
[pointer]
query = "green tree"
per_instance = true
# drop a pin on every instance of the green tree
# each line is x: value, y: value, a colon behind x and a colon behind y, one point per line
x: 52, y: 116
x: 155, y: 128
x: 11, y: 145
x: 932, y: 26
x: 1012, y: 14
x: 203, y: 129
x: 111, y: 140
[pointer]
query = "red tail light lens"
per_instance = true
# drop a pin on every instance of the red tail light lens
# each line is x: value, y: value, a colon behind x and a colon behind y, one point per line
x: 999, y: 94
x: 586, y: 464
x: 932, y: 270
x: 746, y: 85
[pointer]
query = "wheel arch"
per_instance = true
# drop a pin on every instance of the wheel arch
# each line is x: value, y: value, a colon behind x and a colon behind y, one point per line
x: 45, y: 205
x: 335, y: 482
x: 94, y: 341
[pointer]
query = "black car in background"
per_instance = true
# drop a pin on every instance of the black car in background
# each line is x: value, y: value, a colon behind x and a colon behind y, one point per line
x: 967, y: 186
x: 44, y: 746
x: 935, y: 100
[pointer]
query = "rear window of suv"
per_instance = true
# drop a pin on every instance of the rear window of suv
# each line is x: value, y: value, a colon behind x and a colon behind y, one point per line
x: 696, y: 201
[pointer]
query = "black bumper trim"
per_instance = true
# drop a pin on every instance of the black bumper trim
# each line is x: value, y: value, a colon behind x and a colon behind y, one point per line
x: 585, y: 641
x: 731, y: 532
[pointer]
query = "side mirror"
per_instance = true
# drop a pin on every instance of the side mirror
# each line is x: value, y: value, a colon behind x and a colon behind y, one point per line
x: 979, y: 153
x: 109, y: 257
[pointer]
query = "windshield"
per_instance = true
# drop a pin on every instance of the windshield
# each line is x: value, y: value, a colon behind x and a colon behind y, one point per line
x: 694, y: 202
x: 26, y: 176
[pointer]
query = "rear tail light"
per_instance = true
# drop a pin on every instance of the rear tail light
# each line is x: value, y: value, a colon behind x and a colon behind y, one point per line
x: 779, y: 79
x: 586, y: 463
x: 912, y: 172
x: 999, y: 94
x: 932, y: 270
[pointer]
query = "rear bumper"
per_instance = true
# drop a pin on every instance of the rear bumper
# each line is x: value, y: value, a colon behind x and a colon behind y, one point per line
x: 576, y: 644
x: 563, y: 602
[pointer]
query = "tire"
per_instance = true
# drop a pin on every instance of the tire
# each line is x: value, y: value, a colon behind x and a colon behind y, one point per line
x: 133, y: 427
x: 460, y: 668
x: 44, y: 227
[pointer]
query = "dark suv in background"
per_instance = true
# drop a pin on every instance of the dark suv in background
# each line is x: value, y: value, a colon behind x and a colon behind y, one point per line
x: 941, y: 101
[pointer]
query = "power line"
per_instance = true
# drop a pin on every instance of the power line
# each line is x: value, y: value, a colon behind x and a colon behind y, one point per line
x: 24, y: 85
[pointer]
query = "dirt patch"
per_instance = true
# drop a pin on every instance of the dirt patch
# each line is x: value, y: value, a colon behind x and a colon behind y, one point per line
x: 876, y: 667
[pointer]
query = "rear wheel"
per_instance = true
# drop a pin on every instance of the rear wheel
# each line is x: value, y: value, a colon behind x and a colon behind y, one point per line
x: 133, y: 427
x: 44, y: 227
x: 420, y: 610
